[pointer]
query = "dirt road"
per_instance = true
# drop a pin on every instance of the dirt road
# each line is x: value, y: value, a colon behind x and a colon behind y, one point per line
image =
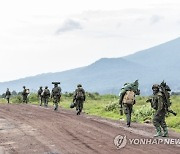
x: 28, y: 129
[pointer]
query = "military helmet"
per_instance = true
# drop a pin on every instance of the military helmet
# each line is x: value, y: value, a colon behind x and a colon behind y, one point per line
x: 79, y: 85
x: 40, y: 87
x: 46, y: 87
x: 155, y: 86
x: 24, y: 87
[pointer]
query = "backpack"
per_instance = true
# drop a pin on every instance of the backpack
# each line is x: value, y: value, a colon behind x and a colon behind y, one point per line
x: 165, y: 90
x: 79, y: 94
x: 45, y: 93
x: 56, y: 91
x: 129, y: 97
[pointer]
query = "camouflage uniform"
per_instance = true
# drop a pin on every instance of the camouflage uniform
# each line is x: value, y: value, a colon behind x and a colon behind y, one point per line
x: 56, y: 95
x: 46, y: 95
x: 128, y: 107
x: 7, y: 95
x: 24, y: 95
x: 40, y: 95
x: 159, y: 116
x: 79, y: 98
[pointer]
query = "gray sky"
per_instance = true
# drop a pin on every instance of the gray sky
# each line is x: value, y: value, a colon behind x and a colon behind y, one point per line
x: 40, y: 36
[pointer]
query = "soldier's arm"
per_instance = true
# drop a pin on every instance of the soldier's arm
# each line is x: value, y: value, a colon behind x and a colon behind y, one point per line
x: 121, y: 97
x: 84, y: 94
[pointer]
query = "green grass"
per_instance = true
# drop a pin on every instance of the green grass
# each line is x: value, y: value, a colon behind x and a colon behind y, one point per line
x: 107, y: 106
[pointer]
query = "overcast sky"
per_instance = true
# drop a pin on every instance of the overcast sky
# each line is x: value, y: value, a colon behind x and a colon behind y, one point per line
x: 40, y: 36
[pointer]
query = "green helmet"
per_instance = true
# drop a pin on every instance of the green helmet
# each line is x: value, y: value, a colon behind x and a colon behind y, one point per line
x: 79, y: 85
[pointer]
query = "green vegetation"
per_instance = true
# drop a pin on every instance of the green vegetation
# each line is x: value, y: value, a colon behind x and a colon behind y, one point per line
x: 107, y: 106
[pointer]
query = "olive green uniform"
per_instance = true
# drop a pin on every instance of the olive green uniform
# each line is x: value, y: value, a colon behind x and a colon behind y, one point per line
x: 159, y: 115
x: 79, y: 99
x: 127, y: 108
x: 24, y: 96
x: 7, y: 95
x: 56, y: 95
x: 46, y: 95
x: 40, y: 96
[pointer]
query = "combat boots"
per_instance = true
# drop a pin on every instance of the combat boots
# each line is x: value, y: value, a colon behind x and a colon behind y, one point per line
x: 165, y: 134
x: 158, y: 132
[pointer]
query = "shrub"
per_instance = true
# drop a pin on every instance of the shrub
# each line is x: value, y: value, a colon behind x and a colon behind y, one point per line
x: 17, y: 99
x: 112, y: 106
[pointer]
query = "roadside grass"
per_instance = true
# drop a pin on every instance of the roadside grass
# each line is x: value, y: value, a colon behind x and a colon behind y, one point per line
x: 107, y: 106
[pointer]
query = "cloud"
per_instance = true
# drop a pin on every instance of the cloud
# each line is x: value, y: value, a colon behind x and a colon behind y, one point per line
x: 155, y: 19
x: 69, y: 25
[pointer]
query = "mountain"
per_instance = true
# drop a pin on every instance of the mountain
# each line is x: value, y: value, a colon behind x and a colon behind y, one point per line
x: 107, y: 75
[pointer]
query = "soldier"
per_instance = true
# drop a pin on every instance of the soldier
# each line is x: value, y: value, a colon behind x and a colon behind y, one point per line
x: 79, y: 98
x: 46, y: 94
x: 39, y: 95
x: 7, y: 95
x: 56, y: 95
x: 127, y: 99
x: 25, y: 93
x: 159, y: 115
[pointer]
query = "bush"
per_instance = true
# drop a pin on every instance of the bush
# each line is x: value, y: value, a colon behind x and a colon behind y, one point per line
x: 33, y: 97
x: 145, y: 112
x: 17, y: 99
x: 113, y: 106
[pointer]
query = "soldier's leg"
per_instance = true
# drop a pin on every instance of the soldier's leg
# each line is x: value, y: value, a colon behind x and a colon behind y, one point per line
x: 127, y: 113
x: 8, y: 100
x: 46, y: 102
x: 40, y: 100
x: 23, y: 99
x: 26, y: 100
x: 164, y: 126
x: 156, y: 123
x: 78, y: 106
x: 130, y: 112
x: 55, y: 105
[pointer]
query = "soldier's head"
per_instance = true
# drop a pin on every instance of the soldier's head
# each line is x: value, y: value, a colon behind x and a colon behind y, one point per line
x: 46, y: 87
x: 155, y: 88
x: 40, y: 87
x: 7, y: 89
x: 79, y: 85
x: 24, y: 87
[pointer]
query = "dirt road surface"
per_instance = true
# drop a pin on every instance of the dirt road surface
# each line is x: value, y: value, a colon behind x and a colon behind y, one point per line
x: 29, y: 129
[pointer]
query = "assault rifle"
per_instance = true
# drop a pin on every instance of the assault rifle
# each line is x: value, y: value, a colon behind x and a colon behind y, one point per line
x: 167, y: 109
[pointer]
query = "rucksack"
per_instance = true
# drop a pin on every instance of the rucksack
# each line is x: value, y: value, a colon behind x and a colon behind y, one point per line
x: 165, y: 90
x: 129, y: 97
x: 56, y: 91
x: 79, y: 94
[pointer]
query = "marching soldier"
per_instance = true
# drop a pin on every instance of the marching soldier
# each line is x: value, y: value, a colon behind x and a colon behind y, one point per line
x: 127, y: 99
x: 160, y: 112
x: 40, y: 95
x: 79, y: 98
x: 56, y: 95
x: 7, y: 95
x: 46, y: 94
x: 25, y: 93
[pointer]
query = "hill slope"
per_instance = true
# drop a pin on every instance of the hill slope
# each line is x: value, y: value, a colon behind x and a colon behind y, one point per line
x: 107, y: 75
